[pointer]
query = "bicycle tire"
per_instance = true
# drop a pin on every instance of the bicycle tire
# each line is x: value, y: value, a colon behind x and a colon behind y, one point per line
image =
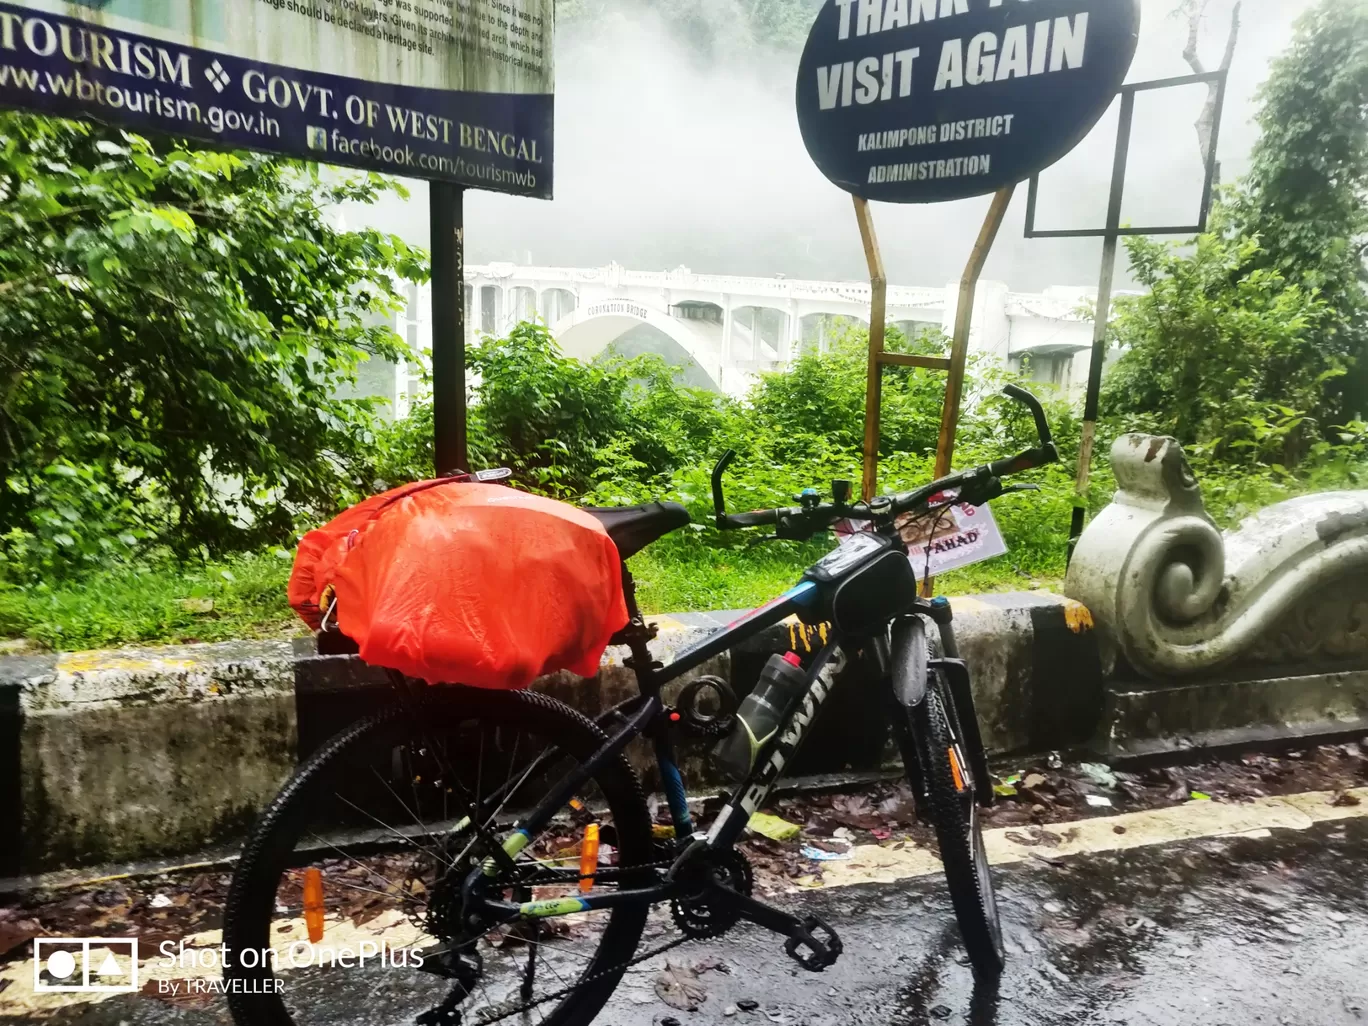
x: 954, y: 816
x: 252, y: 895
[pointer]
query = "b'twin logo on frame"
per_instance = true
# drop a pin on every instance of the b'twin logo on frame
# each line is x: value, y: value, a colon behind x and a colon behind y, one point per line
x: 85, y: 965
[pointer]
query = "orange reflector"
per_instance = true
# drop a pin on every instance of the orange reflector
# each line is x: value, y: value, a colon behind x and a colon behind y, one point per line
x: 955, y: 770
x: 589, y: 851
x: 313, y: 903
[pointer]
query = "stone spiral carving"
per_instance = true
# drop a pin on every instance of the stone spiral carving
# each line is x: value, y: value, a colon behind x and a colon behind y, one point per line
x: 1175, y: 596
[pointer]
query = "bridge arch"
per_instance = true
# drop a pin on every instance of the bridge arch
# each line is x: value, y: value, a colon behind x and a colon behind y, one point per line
x: 766, y: 336
x: 819, y: 330
x: 557, y: 304
x: 634, y: 328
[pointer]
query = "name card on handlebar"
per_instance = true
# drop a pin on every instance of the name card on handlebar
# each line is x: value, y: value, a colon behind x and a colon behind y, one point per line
x: 954, y: 537
x: 950, y: 538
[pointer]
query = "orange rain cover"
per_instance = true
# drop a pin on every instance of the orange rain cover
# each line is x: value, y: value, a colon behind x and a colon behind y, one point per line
x: 465, y: 583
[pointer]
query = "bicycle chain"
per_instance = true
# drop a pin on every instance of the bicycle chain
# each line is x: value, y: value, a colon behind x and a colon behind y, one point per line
x: 606, y: 971
x: 590, y: 979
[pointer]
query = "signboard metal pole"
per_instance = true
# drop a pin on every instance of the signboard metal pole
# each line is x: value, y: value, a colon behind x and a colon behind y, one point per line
x: 878, y: 296
x: 1101, y: 319
x: 964, y: 313
x: 446, y: 215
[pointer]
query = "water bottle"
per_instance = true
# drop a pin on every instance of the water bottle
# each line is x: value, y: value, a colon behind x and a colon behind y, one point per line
x: 761, y: 712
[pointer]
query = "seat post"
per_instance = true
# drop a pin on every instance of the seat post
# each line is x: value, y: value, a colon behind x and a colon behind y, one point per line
x: 636, y: 635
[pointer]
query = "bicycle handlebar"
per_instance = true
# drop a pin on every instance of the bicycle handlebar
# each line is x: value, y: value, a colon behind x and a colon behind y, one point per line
x: 977, y: 486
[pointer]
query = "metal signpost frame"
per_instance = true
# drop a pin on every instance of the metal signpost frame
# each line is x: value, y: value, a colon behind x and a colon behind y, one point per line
x: 904, y: 108
x: 954, y: 364
x: 1110, y: 236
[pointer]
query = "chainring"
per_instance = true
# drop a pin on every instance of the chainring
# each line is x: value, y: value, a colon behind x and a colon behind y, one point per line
x: 700, y: 917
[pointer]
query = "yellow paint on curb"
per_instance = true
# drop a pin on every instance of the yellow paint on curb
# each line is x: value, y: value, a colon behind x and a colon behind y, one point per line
x: 1077, y: 616
x: 89, y: 662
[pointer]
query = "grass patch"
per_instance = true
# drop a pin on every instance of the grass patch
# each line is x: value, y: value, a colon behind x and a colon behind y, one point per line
x: 692, y: 569
x: 164, y: 605
x: 701, y: 578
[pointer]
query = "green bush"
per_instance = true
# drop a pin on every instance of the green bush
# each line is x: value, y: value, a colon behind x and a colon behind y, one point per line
x: 617, y: 432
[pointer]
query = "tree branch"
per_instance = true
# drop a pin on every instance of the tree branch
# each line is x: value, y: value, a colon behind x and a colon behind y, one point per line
x: 1206, y: 121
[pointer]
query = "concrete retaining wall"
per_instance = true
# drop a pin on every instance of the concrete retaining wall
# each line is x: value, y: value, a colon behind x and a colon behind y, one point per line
x: 110, y: 756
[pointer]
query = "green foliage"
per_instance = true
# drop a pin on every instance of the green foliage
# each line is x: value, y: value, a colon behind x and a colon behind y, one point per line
x: 822, y: 395
x: 1306, y: 195
x: 173, y: 327
x: 567, y: 428
x: 124, y: 605
x: 1216, y: 347
x: 655, y: 440
x: 1254, y: 341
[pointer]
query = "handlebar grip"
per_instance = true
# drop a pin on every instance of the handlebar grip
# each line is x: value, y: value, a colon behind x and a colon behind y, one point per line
x: 1028, y: 460
x: 757, y: 518
x: 1037, y: 411
x: 719, y: 507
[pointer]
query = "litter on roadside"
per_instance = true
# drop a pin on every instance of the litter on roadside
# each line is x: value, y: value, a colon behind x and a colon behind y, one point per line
x: 820, y: 855
x: 773, y: 827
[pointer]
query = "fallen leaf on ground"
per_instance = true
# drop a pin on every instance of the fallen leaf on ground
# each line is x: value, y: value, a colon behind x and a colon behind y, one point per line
x: 1036, y: 836
x: 1345, y: 800
x: 678, y: 987
x: 17, y: 932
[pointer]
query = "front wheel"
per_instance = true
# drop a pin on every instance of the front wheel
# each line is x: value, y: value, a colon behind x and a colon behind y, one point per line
x: 948, y: 780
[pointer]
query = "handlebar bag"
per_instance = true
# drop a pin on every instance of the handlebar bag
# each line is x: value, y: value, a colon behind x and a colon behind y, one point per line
x: 465, y: 582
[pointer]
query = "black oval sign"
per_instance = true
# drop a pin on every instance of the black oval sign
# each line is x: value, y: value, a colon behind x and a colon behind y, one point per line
x: 919, y: 101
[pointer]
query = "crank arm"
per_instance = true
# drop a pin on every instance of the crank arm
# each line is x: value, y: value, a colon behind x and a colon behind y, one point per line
x: 760, y: 914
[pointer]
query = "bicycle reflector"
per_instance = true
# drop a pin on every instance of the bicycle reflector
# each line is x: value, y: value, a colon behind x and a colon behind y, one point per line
x: 313, y: 903
x: 589, y: 852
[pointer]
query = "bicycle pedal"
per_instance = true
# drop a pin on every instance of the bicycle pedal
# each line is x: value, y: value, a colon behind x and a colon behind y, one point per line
x: 819, y: 954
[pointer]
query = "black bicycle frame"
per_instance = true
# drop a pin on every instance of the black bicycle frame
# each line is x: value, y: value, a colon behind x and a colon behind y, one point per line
x: 748, y: 796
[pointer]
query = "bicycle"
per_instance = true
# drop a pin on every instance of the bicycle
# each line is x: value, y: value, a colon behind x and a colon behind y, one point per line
x: 512, y: 830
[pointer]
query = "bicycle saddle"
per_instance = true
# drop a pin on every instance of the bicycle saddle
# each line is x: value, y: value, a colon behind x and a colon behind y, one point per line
x: 632, y: 528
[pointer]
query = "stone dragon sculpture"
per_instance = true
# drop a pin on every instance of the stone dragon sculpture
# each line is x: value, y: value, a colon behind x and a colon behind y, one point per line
x: 1174, y: 596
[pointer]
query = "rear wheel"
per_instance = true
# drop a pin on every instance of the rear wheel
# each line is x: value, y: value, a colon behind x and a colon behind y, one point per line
x: 949, y: 785
x: 372, y: 839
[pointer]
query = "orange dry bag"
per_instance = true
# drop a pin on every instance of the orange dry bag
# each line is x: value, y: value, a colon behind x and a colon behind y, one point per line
x: 466, y: 583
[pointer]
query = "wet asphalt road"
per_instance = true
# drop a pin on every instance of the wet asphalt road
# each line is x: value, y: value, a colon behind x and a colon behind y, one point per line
x: 1226, y: 932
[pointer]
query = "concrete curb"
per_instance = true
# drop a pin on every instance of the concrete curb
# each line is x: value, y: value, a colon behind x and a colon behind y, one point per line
x: 136, y: 753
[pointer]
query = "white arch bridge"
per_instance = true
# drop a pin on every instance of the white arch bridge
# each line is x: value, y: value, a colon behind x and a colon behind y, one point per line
x: 723, y: 329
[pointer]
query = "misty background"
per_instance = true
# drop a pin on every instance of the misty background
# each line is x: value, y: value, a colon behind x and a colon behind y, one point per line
x: 682, y: 148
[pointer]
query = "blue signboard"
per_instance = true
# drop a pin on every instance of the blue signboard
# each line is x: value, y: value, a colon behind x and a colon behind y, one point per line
x: 423, y: 88
x: 920, y: 101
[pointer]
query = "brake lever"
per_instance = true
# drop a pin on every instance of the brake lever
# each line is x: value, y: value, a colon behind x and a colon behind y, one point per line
x: 1021, y: 488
